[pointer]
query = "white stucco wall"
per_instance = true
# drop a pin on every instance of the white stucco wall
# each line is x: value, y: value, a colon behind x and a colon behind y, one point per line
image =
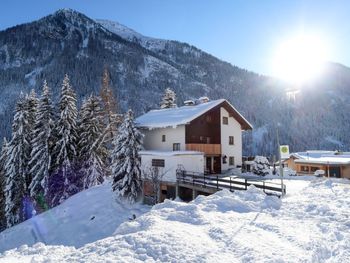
x: 153, y: 138
x: 232, y: 129
x: 193, y: 163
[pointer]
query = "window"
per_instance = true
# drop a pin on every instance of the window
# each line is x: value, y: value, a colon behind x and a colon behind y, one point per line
x: 231, y: 140
x: 176, y: 146
x: 208, y: 140
x: 231, y: 160
x: 225, y: 120
x: 158, y: 163
x: 163, y: 138
x: 304, y: 168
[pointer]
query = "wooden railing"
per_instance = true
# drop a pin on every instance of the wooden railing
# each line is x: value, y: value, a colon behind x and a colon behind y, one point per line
x: 231, y: 183
x: 214, y: 149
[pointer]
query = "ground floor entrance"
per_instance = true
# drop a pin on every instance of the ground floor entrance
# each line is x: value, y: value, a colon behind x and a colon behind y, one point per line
x: 213, y: 164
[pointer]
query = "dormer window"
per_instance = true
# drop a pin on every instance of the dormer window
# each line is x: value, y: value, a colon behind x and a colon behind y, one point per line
x: 163, y: 138
x: 225, y: 120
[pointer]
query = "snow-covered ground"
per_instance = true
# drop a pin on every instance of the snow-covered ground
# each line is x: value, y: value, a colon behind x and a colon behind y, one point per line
x: 88, y: 216
x: 311, y: 224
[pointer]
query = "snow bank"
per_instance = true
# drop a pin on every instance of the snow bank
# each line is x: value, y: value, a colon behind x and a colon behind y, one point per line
x: 312, y: 225
x: 85, y: 217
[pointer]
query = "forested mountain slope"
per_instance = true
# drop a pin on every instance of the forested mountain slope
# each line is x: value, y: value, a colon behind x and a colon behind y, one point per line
x: 142, y: 67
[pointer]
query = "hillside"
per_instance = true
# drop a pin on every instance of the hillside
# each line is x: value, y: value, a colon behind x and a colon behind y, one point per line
x: 245, y: 226
x: 142, y: 67
x: 88, y: 216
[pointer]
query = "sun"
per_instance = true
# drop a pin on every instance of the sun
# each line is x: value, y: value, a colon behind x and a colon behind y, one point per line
x: 300, y: 58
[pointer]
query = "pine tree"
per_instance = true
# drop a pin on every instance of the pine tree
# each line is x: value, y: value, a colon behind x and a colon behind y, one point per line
x: 110, y: 107
x: 92, y: 150
x: 168, y: 99
x: 261, y: 166
x: 16, y: 167
x: 42, y: 144
x: 126, y: 163
x: 31, y: 104
x: 62, y: 183
x: 3, y: 158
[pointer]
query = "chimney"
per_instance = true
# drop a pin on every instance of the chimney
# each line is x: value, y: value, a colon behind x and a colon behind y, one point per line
x: 203, y: 100
x: 189, y: 103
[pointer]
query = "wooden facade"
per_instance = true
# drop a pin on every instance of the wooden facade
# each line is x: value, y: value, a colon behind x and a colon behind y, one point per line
x: 208, y: 149
x: 205, y: 129
x: 203, y: 134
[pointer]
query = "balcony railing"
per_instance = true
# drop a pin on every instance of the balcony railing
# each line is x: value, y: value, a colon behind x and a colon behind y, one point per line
x: 209, y: 149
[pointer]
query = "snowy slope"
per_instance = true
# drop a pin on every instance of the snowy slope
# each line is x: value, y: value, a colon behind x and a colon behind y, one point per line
x: 133, y: 36
x: 85, y: 217
x: 312, y: 224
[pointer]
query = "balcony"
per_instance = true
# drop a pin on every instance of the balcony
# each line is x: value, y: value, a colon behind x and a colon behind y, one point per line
x: 208, y: 149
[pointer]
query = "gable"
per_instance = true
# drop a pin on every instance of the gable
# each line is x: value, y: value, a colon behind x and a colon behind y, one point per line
x: 184, y: 115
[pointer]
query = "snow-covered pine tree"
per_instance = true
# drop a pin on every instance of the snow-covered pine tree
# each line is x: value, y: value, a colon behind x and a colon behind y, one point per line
x: 126, y: 163
x: 32, y: 104
x: 16, y: 167
x: 3, y: 158
x: 31, y: 107
x: 168, y: 99
x: 42, y: 144
x: 62, y: 183
x: 261, y: 166
x: 92, y: 150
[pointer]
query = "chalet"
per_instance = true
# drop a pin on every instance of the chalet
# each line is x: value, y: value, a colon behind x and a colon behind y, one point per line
x: 202, y: 137
x: 333, y: 163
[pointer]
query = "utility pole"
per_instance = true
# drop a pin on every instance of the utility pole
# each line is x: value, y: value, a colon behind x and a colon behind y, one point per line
x: 280, y: 161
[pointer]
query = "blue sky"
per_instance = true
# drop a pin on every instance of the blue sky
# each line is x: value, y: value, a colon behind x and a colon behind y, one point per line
x: 244, y: 33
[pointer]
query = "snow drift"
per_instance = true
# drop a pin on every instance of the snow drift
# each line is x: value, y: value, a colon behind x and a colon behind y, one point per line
x: 83, y: 218
x: 310, y: 225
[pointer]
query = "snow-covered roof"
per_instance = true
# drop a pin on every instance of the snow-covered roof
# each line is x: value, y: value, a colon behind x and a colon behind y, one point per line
x: 170, y: 153
x: 174, y: 117
x: 326, y: 160
x: 322, y: 157
x: 312, y: 154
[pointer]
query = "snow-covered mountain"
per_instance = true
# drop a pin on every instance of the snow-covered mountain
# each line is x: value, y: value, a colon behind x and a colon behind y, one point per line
x: 311, y: 224
x: 153, y: 44
x: 142, y: 67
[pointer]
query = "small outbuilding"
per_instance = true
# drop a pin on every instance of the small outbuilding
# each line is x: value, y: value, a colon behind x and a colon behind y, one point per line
x: 167, y: 163
x: 333, y: 163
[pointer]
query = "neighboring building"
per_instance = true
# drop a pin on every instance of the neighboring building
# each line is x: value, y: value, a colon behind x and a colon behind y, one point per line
x: 202, y: 137
x: 334, y: 163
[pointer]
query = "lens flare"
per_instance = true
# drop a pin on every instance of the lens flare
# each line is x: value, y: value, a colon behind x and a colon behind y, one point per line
x: 300, y: 59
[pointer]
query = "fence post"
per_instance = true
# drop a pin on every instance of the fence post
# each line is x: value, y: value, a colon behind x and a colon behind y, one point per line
x: 230, y: 184
x: 177, y: 189
x: 245, y: 184
x: 264, y: 186
x: 204, y: 179
x: 217, y: 181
